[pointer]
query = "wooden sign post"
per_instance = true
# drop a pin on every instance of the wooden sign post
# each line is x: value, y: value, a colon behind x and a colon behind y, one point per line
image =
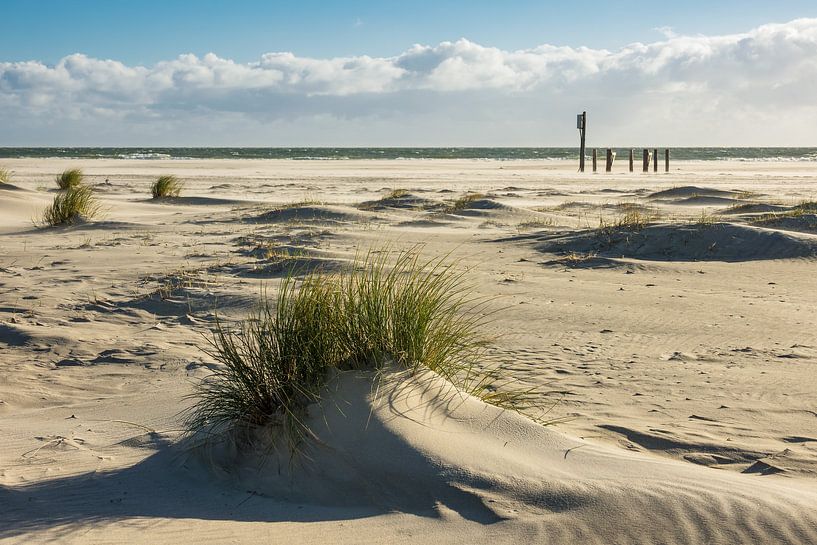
x: 581, y: 124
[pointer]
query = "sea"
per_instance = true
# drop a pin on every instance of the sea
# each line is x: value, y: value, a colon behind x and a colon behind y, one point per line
x: 339, y: 154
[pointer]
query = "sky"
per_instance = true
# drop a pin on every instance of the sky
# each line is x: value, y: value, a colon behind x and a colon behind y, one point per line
x: 407, y: 73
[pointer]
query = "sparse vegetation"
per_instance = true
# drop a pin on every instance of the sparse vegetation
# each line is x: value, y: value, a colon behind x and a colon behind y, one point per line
x: 534, y: 223
x: 72, y: 205
x: 5, y: 175
x: 69, y: 178
x: 463, y: 202
x: 574, y: 259
x: 412, y: 313
x: 739, y: 208
x: 806, y: 207
x: 396, y: 194
x: 634, y: 220
x: 705, y: 219
x: 746, y: 195
x: 801, y: 209
x: 167, y: 186
x: 301, y: 204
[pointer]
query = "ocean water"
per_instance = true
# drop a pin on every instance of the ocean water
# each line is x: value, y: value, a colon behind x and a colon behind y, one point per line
x: 499, y: 154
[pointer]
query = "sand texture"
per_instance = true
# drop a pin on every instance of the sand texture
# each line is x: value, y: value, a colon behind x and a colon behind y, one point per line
x: 667, y: 320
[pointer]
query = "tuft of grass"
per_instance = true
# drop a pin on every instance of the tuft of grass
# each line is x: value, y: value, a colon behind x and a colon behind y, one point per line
x: 738, y: 207
x: 72, y: 205
x: 806, y: 207
x: 396, y: 194
x: 166, y: 186
x: 463, y: 202
x: 706, y: 219
x: 415, y: 313
x: 534, y: 223
x: 5, y: 175
x: 69, y: 178
x: 633, y: 220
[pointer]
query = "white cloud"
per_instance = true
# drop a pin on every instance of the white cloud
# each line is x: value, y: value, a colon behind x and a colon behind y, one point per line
x: 743, y: 89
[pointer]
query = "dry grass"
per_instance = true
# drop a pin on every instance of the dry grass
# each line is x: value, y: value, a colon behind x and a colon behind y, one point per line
x: 800, y: 209
x: 463, y: 202
x: 396, y: 194
x: 634, y: 220
x: 5, y: 176
x: 534, y: 223
x: 705, y: 219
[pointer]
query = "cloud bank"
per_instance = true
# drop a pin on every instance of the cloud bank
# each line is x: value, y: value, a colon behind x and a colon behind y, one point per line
x: 754, y: 88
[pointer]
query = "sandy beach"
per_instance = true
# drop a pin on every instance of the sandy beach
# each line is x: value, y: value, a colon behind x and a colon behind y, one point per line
x: 676, y: 355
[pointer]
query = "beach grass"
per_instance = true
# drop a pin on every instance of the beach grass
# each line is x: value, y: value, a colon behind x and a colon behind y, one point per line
x: 634, y: 220
x: 74, y: 204
x: 803, y: 208
x: 69, y: 178
x: 382, y: 310
x: 5, y: 176
x: 463, y: 202
x: 166, y: 186
x: 396, y: 194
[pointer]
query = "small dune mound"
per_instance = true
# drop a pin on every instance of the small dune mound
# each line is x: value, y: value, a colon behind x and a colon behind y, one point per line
x: 199, y: 201
x: 706, y: 200
x: 314, y: 214
x: 400, y: 200
x: 803, y: 223
x: 681, y: 242
x: 275, y: 260
x: 489, y: 209
x: 413, y: 444
x: 753, y: 208
x: 689, y: 191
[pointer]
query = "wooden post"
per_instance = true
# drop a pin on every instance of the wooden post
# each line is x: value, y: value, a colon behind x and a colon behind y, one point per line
x: 655, y: 160
x: 581, y: 124
x: 666, y: 160
x: 595, y: 158
x: 608, y: 167
x: 631, y: 159
x: 645, y: 160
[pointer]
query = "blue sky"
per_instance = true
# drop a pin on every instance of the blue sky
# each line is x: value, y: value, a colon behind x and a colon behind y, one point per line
x: 146, y: 31
x: 456, y: 73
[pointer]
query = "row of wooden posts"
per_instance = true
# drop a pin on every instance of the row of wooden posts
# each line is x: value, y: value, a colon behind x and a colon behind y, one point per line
x: 645, y: 160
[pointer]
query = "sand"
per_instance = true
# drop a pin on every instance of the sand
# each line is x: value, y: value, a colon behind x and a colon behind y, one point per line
x: 678, y: 359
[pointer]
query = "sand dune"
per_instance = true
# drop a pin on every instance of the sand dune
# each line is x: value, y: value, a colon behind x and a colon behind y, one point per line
x: 711, y: 242
x: 678, y: 357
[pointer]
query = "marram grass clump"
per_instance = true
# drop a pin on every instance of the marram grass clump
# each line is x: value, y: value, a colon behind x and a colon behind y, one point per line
x: 69, y: 178
x: 72, y: 205
x: 5, y: 175
x: 414, y: 313
x: 166, y: 186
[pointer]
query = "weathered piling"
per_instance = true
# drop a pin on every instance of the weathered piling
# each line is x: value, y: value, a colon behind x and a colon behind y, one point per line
x: 631, y: 159
x: 666, y: 160
x: 581, y: 124
x: 645, y: 161
x: 608, y: 166
x: 595, y: 158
